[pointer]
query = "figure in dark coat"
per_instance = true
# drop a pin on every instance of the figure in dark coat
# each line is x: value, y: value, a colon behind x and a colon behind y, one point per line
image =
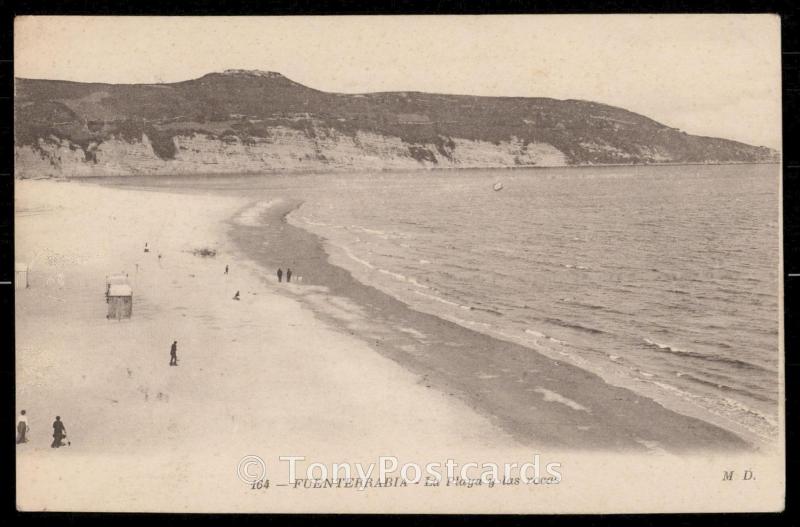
x: 22, y: 428
x: 59, y: 433
x: 280, y: 274
x: 288, y: 275
x: 173, y: 354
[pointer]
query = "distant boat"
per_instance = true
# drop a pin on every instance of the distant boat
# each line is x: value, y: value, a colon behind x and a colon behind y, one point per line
x: 498, y: 186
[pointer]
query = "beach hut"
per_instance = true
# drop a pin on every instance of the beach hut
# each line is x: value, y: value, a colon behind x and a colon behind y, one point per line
x: 20, y: 276
x: 120, y: 301
x: 115, y: 279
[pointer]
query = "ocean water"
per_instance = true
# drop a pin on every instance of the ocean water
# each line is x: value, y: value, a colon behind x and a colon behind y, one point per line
x: 661, y: 279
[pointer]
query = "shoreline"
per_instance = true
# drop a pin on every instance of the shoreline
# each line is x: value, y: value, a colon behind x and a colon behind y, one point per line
x: 582, y: 410
x: 269, y: 376
x: 335, y: 170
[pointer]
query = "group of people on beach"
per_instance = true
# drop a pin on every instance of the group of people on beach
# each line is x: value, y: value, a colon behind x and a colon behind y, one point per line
x: 59, y: 431
x: 288, y: 274
x: 280, y: 279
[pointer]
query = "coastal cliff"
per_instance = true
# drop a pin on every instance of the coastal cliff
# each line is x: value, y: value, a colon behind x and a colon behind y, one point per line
x: 282, y: 150
x: 252, y: 121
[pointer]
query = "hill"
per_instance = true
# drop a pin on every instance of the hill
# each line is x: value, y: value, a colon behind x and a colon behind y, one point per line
x: 252, y: 121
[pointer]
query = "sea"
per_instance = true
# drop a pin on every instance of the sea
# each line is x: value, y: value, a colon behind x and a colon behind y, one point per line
x: 661, y: 279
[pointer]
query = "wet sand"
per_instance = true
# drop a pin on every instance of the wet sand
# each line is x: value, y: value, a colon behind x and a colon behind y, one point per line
x: 538, y: 400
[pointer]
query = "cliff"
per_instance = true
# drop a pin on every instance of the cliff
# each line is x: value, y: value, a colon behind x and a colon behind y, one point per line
x: 251, y: 121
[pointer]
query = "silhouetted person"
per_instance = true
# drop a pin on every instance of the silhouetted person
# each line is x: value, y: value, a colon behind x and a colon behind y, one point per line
x: 226, y: 269
x: 280, y: 274
x: 146, y: 248
x: 59, y: 433
x: 22, y: 428
x: 236, y: 296
x: 173, y: 354
x: 288, y: 275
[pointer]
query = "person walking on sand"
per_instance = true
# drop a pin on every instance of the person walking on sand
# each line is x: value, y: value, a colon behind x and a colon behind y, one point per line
x: 173, y: 354
x: 146, y: 248
x: 280, y: 274
x: 236, y: 296
x: 59, y: 433
x: 226, y: 269
x: 22, y: 428
x: 288, y: 275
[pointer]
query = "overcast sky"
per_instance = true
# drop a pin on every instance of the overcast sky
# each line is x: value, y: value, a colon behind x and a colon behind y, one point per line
x: 715, y: 75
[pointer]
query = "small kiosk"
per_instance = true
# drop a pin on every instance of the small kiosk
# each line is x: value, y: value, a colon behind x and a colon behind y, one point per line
x: 120, y: 301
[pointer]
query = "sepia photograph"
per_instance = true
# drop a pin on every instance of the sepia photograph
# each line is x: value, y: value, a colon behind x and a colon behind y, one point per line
x: 398, y: 264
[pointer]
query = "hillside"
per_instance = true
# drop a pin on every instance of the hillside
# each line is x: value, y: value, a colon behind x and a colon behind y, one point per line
x: 253, y: 121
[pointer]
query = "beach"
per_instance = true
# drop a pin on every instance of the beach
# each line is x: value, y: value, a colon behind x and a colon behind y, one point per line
x: 517, y: 389
x: 290, y: 369
x: 255, y: 374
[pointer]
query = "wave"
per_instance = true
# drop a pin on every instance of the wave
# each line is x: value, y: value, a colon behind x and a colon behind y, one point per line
x: 583, y: 304
x: 486, y: 310
x: 724, y: 387
x: 573, y: 325
x: 677, y: 291
x: 401, y: 277
x: 375, y: 232
x: 355, y: 258
x: 535, y: 333
x: 309, y: 221
x: 467, y: 323
x: 440, y: 299
x: 579, y: 267
x: 722, y: 345
x: 394, y: 275
x: 593, y: 307
x: 540, y: 335
x: 251, y: 216
x: 756, y: 422
x: 666, y: 348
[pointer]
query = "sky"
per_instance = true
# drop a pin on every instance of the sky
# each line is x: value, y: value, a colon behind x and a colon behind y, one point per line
x: 716, y: 75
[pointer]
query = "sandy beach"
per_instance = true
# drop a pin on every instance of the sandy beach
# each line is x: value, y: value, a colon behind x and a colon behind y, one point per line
x: 257, y: 374
x: 265, y: 375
